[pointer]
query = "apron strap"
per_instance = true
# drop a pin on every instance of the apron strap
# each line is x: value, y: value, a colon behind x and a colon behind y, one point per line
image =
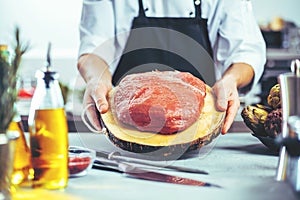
x: 141, y: 9
x: 196, y: 2
x: 197, y: 8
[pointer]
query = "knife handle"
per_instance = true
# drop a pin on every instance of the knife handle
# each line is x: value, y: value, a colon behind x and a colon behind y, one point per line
x: 101, y: 166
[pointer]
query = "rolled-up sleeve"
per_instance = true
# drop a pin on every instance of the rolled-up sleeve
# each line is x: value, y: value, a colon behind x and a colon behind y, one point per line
x: 97, y: 29
x: 240, y: 39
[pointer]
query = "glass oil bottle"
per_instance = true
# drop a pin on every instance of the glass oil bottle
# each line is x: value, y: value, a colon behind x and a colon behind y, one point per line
x: 48, y: 131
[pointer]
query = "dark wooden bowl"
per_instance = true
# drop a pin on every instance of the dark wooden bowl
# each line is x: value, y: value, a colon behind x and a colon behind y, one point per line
x: 268, y: 142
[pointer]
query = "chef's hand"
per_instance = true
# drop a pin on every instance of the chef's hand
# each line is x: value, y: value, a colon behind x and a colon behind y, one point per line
x: 95, y: 100
x: 98, y: 83
x: 227, y: 100
x: 237, y: 76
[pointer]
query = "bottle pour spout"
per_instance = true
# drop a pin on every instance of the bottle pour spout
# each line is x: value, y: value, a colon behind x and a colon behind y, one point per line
x: 49, y: 75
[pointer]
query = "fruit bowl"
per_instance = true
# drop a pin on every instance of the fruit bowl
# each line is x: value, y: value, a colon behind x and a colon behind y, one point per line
x: 80, y: 160
x: 266, y: 120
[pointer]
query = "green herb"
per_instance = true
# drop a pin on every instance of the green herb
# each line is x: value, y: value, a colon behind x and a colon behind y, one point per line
x: 8, y: 79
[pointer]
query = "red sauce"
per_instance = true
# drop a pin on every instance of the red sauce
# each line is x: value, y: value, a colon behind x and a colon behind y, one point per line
x: 78, y: 164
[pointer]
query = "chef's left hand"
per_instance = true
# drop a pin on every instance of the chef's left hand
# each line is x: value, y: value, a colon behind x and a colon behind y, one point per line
x: 238, y: 75
x: 227, y: 100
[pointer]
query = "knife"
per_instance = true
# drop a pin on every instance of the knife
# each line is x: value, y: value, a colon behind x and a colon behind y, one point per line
x: 132, y: 171
x: 118, y: 157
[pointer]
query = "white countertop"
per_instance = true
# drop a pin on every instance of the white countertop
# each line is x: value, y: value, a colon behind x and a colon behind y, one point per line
x: 238, y: 162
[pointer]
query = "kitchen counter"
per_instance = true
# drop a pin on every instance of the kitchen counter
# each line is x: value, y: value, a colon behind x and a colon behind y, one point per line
x: 238, y: 162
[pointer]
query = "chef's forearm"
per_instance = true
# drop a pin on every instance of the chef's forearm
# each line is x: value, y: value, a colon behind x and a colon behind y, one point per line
x: 91, y: 66
x: 241, y: 74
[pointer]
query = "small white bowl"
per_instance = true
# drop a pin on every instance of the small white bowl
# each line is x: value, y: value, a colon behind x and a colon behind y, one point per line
x: 81, y: 160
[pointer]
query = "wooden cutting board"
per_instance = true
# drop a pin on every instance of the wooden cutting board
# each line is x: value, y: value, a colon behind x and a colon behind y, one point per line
x: 201, y: 133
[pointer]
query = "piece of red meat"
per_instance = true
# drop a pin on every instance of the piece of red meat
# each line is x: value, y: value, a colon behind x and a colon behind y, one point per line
x: 162, y: 102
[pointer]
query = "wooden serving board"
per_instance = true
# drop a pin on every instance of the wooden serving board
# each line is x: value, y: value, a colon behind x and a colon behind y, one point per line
x: 201, y: 133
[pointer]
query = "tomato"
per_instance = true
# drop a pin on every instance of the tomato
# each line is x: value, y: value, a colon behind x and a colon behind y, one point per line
x: 25, y: 93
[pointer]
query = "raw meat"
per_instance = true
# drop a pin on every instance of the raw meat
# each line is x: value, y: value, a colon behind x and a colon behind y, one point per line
x: 162, y: 102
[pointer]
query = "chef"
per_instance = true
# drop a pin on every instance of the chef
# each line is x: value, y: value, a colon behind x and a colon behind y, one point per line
x: 124, y: 36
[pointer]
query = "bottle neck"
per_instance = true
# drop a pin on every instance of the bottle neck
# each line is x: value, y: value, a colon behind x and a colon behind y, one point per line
x: 47, y: 95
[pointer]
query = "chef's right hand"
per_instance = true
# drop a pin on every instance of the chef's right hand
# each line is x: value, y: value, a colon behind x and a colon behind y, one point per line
x: 98, y: 79
x: 95, y: 100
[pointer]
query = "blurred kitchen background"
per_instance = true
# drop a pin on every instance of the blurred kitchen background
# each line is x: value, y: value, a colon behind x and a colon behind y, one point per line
x: 57, y: 22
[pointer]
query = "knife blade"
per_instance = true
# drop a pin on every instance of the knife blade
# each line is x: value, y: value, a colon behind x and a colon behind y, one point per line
x: 118, y: 157
x: 132, y: 171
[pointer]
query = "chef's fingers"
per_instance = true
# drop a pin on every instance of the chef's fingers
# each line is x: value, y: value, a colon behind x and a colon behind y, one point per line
x: 91, y: 119
x: 100, y: 99
x: 233, y: 106
x: 90, y: 114
x: 97, y: 91
x: 221, y: 96
x: 227, y: 99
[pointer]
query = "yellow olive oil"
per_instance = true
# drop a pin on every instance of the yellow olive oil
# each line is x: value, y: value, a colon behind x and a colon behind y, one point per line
x: 22, y: 167
x: 49, y: 148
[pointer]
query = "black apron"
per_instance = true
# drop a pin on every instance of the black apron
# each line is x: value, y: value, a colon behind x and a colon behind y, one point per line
x: 156, y: 43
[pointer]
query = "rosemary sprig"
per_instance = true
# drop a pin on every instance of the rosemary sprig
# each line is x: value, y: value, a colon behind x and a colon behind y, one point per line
x: 8, y: 79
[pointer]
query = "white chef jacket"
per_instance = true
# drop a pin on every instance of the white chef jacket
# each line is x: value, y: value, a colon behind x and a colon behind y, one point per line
x: 233, y: 31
